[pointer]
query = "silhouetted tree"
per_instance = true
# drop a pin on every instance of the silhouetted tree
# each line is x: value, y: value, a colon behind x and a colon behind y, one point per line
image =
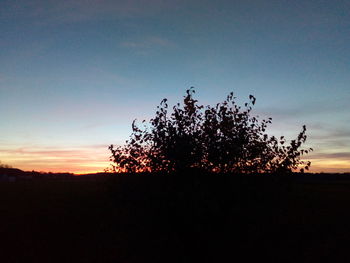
x: 224, y: 138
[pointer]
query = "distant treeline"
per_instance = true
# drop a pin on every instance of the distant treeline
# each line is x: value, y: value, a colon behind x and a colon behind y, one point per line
x: 188, y: 175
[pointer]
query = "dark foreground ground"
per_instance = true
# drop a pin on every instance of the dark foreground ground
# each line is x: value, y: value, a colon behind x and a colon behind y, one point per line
x: 166, y: 219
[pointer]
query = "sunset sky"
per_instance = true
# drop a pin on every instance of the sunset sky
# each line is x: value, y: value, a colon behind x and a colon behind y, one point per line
x: 74, y: 74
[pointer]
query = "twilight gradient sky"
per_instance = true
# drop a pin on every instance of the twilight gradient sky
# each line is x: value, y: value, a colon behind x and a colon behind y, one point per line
x: 74, y: 74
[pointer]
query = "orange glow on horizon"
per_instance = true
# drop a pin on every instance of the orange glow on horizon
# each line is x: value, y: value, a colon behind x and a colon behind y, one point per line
x: 94, y: 159
x: 319, y: 167
x: 75, y: 169
x: 79, y: 160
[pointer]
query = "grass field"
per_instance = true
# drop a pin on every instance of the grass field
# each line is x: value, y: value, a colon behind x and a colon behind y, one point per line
x: 138, y: 219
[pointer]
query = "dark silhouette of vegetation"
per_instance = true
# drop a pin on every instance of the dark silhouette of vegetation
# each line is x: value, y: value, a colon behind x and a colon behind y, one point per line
x: 224, y: 138
x: 5, y: 165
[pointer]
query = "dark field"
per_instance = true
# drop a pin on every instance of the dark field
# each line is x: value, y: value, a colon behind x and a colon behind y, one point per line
x: 168, y: 219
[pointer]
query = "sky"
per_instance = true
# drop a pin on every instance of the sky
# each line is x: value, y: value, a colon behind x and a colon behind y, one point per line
x: 75, y: 74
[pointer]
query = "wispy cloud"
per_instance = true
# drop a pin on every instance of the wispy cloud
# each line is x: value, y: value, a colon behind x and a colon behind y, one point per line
x: 147, y: 45
x: 339, y: 133
x: 148, y: 42
x: 308, y: 110
x: 329, y: 139
x: 337, y: 155
x: 329, y: 161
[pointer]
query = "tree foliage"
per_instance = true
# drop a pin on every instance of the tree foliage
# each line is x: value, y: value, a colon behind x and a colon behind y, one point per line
x: 224, y: 138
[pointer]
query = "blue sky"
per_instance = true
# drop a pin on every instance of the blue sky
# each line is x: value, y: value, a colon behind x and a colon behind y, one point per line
x: 74, y: 74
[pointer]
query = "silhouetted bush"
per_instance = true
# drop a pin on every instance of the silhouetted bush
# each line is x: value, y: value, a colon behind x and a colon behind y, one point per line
x: 224, y: 138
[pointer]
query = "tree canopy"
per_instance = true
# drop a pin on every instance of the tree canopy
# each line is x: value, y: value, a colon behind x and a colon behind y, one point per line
x: 224, y: 138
